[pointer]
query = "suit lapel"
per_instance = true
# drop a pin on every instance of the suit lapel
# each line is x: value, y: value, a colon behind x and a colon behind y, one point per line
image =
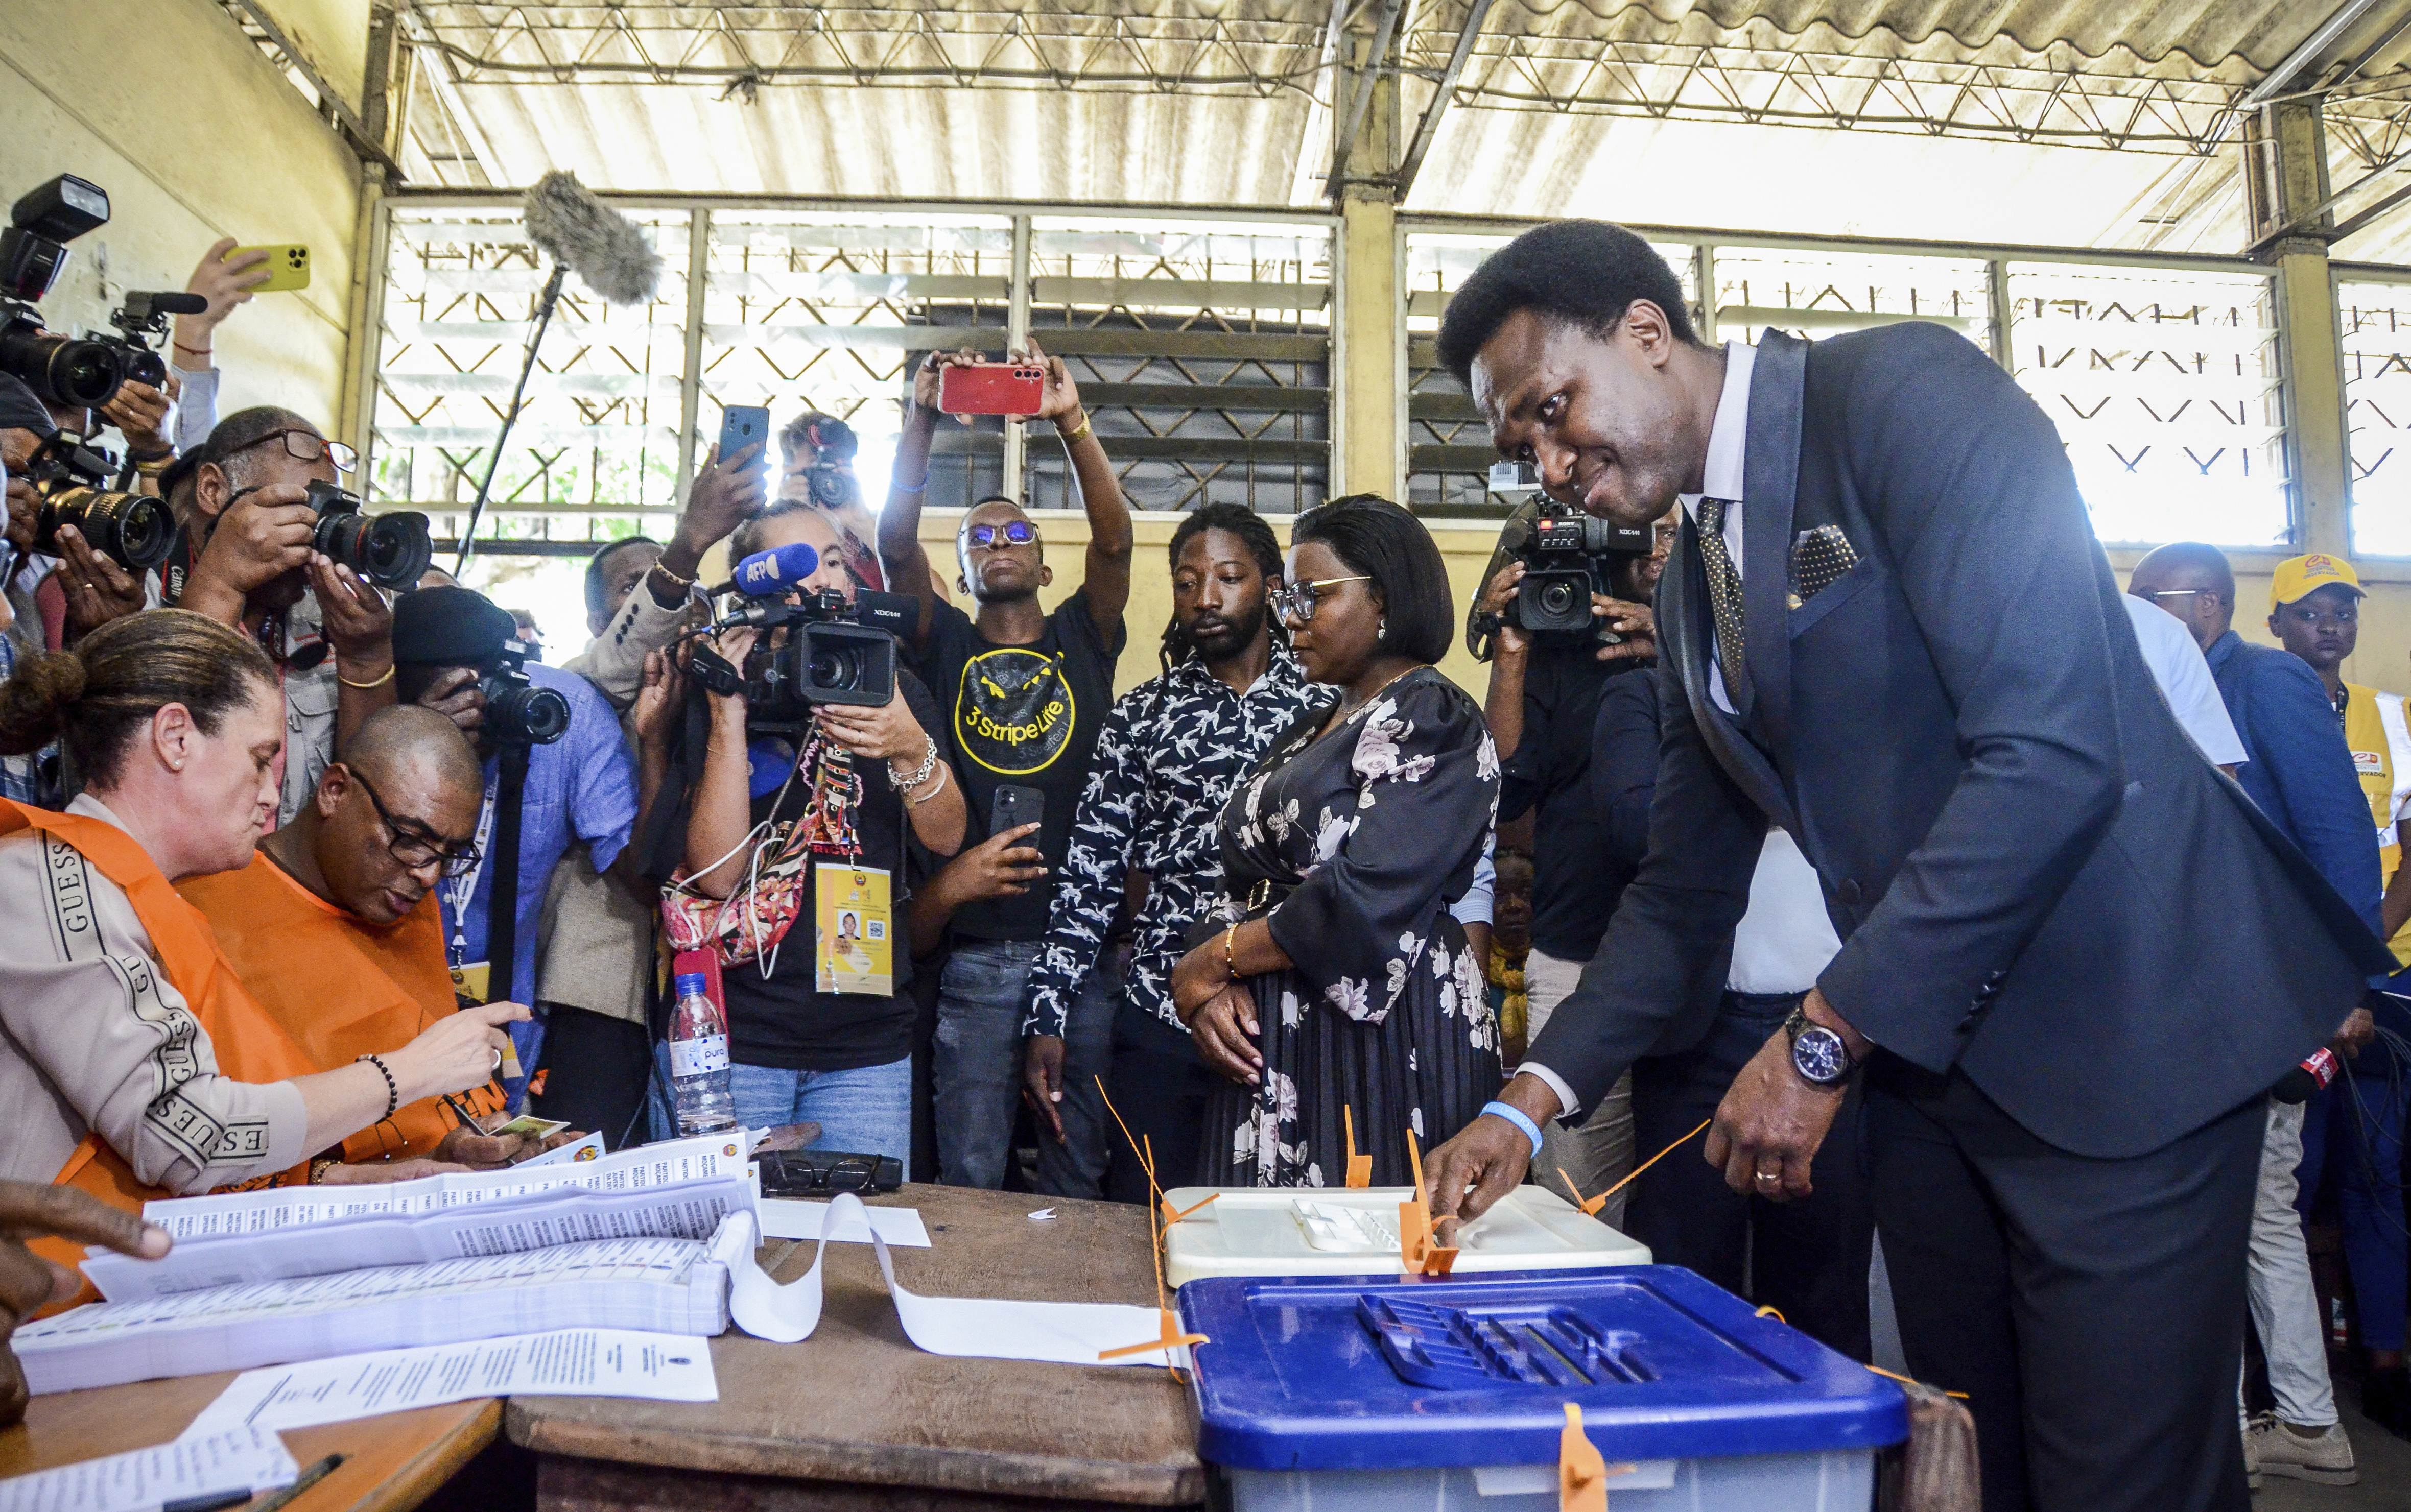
x: 1682, y: 639
x: 1770, y: 479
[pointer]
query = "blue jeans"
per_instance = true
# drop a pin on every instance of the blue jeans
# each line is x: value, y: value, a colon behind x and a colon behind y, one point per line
x: 865, y: 1111
x: 975, y: 1072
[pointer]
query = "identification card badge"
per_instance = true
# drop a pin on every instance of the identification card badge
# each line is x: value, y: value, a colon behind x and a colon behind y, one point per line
x: 471, y: 981
x: 851, y: 910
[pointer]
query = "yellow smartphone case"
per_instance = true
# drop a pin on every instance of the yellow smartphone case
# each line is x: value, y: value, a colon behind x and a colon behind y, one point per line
x: 289, y: 267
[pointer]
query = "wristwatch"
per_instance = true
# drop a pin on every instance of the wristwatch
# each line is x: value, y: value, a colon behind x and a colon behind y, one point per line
x: 1818, y: 1054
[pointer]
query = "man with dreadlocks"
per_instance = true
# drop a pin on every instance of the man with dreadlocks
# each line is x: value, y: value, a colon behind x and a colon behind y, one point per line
x: 1167, y: 759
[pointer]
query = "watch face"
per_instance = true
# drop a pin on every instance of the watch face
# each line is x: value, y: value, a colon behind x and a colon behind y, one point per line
x: 1819, y: 1055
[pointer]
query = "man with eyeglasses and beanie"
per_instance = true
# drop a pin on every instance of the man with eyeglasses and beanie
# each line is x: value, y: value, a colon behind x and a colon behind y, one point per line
x: 335, y: 931
x: 242, y: 556
x: 2074, y: 957
x: 580, y: 787
x: 1026, y: 692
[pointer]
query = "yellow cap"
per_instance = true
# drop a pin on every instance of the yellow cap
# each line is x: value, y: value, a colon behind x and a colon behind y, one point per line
x: 2298, y: 576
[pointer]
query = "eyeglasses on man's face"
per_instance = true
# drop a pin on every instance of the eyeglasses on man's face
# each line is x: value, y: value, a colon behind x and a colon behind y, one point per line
x: 308, y: 446
x: 414, y: 847
x: 1300, y: 600
x: 1012, y: 533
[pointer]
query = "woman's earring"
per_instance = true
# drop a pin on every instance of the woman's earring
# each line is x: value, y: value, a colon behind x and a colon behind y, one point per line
x: 1381, y: 632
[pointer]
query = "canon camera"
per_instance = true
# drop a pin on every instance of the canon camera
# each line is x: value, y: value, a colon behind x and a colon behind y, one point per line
x: 390, y: 550
x: 518, y: 712
x: 133, y: 529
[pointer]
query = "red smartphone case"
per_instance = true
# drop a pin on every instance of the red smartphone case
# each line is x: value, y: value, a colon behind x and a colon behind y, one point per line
x: 991, y: 388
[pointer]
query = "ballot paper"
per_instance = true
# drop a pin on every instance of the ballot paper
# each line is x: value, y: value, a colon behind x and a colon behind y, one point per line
x: 195, y: 1468
x: 787, y: 1218
x: 587, y: 1362
x: 1068, y: 1333
x: 667, y: 1286
x: 675, y: 1191
x: 589, y: 1148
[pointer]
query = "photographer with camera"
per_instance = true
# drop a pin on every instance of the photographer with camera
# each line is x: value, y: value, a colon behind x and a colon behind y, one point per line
x: 542, y: 729
x: 800, y: 815
x: 254, y: 555
x: 1027, y: 691
x: 1542, y: 700
x: 817, y: 451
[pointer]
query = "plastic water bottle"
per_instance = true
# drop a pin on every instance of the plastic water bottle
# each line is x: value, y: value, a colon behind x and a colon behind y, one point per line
x: 699, y: 1061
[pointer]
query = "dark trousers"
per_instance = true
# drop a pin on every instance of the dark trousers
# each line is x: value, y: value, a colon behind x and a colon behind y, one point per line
x: 595, y: 1074
x: 1159, y: 1087
x: 2091, y: 1309
x: 1807, y: 1260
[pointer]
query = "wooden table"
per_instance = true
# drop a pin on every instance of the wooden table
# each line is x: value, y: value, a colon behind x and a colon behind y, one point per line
x: 392, y: 1464
x: 856, y: 1417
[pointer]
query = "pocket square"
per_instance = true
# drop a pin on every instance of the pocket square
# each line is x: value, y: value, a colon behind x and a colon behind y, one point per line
x: 1819, y: 557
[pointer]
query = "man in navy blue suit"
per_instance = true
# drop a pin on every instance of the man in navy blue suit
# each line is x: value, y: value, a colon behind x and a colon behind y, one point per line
x: 2075, y: 957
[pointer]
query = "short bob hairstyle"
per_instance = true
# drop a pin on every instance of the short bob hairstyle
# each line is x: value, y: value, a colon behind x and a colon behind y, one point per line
x: 1377, y: 538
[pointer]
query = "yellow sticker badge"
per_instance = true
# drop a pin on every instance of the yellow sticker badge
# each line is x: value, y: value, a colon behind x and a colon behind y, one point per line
x: 850, y: 906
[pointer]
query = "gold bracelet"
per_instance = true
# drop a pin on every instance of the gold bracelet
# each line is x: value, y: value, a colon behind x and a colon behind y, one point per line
x: 683, y: 583
x: 374, y: 682
x: 1230, y: 960
x: 1073, y: 438
x: 319, y: 1168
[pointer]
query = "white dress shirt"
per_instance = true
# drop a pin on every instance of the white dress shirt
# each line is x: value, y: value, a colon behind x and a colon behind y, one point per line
x: 1785, y: 937
x: 2184, y: 674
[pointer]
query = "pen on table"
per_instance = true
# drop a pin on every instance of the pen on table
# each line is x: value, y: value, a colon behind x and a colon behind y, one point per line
x: 309, y: 1477
x: 213, y: 1501
x: 468, y: 1119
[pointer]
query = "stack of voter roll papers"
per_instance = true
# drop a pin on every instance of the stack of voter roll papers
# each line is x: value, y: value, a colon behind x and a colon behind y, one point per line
x: 642, y: 1240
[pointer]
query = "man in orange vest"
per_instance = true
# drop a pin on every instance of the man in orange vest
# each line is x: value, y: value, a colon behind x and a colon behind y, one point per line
x: 333, y: 927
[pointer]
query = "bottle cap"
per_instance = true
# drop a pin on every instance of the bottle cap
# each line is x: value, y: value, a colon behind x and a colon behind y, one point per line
x: 691, y: 982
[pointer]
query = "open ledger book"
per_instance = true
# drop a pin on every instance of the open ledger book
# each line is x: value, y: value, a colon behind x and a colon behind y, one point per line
x: 637, y: 1240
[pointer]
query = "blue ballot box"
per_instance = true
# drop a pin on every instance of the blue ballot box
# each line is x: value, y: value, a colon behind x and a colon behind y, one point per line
x: 1334, y: 1393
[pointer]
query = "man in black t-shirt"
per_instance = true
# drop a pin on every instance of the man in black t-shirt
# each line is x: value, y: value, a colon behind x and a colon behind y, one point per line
x: 1024, y: 693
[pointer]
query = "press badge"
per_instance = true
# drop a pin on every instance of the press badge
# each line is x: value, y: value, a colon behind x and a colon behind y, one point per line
x: 471, y: 981
x: 850, y: 908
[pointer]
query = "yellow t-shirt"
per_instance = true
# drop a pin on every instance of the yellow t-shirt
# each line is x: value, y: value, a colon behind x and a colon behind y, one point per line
x: 2381, y: 764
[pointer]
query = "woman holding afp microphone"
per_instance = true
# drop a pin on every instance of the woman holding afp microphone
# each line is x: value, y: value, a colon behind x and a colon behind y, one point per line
x: 134, y: 1065
x: 792, y: 831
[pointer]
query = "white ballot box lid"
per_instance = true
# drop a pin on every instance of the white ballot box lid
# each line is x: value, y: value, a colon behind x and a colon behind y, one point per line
x: 1339, y: 1231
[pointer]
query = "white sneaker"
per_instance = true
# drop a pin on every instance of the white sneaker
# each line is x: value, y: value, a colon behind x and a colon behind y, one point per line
x: 2274, y: 1447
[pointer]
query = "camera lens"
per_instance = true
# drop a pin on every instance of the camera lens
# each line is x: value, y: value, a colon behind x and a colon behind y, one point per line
x: 837, y: 667
x: 60, y: 369
x: 132, y: 528
x: 1557, y: 598
x: 396, y: 550
x: 538, y: 716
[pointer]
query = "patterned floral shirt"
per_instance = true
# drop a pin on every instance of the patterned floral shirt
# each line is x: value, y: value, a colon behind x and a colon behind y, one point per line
x: 1172, y: 752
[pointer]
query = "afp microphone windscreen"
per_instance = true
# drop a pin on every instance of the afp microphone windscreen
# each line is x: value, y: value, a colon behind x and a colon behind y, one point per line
x: 596, y: 242
x: 767, y: 573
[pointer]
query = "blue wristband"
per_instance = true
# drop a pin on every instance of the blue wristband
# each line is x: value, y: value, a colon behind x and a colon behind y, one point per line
x: 1515, y: 1116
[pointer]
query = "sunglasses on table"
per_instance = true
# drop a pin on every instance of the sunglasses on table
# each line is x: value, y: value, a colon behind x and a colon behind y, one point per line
x: 412, y: 848
x: 1299, y: 600
x: 1011, y: 532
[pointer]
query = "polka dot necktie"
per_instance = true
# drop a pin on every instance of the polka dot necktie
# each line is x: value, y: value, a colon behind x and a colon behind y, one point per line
x: 1724, y: 589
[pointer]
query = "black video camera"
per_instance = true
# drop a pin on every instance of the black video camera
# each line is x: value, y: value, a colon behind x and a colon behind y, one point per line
x: 389, y: 550
x: 829, y: 477
x: 518, y: 712
x: 1567, y: 558
x: 60, y: 369
x: 832, y: 652
x: 141, y: 320
x: 134, y: 529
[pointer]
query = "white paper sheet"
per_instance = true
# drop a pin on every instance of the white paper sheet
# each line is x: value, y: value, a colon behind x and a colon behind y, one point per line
x: 1063, y: 1333
x: 194, y: 1466
x: 761, y: 1307
x: 795, y: 1217
x: 594, y: 1363
x: 589, y: 1148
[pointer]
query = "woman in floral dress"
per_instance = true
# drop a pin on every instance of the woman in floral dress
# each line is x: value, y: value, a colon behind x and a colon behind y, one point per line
x: 1331, y: 976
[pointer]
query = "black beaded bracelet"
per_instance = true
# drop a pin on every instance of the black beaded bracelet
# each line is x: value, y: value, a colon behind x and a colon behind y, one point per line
x: 392, y: 1092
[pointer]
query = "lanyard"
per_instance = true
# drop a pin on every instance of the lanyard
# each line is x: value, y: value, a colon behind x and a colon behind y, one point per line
x: 457, y: 891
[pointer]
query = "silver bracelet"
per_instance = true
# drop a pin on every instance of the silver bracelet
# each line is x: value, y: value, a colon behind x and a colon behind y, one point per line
x: 920, y: 774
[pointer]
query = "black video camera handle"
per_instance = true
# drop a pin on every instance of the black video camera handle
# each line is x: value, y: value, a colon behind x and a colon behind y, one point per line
x: 502, y: 903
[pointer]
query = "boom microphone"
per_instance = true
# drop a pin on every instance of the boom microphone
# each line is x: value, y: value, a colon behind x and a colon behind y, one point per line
x: 767, y: 573
x: 598, y: 244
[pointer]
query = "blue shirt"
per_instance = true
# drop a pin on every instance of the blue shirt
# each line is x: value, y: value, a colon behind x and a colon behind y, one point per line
x: 582, y: 786
x: 2297, y: 767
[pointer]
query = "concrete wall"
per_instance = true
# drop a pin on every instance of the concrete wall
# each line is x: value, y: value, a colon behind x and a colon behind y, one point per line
x: 167, y: 106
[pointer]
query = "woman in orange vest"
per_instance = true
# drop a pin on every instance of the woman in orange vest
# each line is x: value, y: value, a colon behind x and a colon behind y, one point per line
x: 133, y: 1063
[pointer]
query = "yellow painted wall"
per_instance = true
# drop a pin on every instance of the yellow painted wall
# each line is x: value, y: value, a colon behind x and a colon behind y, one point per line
x: 167, y: 106
x: 333, y: 34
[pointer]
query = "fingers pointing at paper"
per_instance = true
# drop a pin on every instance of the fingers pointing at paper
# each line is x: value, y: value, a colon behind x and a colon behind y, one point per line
x: 29, y: 1282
